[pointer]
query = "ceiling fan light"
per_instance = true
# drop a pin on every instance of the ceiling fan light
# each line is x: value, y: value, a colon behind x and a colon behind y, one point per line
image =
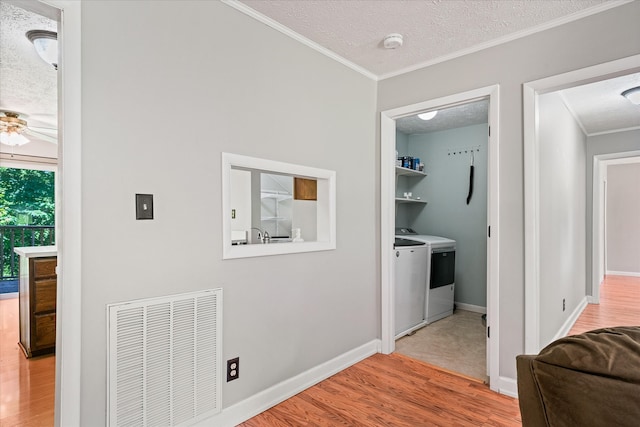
x: 632, y: 95
x: 13, y: 138
x: 46, y: 45
x: 428, y: 115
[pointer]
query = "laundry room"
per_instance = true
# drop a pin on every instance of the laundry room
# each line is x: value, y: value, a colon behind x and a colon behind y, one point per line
x: 441, y: 199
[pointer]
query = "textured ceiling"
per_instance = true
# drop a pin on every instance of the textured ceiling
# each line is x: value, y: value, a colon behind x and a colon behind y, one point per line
x: 28, y: 84
x: 436, y: 30
x: 599, y: 107
x: 469, y: 114
x: 432, y: 30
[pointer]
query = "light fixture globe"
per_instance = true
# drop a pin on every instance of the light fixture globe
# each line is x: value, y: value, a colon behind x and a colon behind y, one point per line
x: 46, y: 45
x: 428, y: 115
x: 13, y: 139
x: 632, y: 95
x: 11, y: 128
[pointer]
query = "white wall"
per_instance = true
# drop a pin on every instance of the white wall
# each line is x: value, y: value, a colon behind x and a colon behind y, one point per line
x: 607, y: 36
x: 167, y: 86
x: 447, y: 214
x: 562, y: 155
x: 623, y: 220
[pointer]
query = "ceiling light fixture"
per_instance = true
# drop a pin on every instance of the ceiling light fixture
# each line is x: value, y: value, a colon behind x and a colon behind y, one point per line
x: 428, y: 116
x: 392, y: 41
x: 11, y: 128
x: 632, y: 95
x: 46, y: 44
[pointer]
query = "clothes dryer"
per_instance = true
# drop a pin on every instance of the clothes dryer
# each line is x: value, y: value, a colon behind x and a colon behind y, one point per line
x: 441, y: 255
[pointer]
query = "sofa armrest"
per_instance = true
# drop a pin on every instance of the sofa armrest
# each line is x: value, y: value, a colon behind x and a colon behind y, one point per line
x: 529, y: 398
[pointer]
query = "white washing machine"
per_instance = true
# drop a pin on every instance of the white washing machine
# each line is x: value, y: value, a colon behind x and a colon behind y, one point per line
x: 441, y: 256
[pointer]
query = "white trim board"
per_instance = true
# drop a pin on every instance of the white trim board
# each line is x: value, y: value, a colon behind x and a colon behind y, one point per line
x: 470, y: 307
x: 531, y: 91
x: 68, y: 216
x: 508, y: 386
x: 298, y: 37
x: 623, y: 273
x: 387, y: 216
x: 571, y: 320
x: 601, y: 163
x: 252, y: 406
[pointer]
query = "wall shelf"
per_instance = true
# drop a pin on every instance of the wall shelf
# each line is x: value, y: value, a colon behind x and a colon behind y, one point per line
x: 405, y: 200
x: 408, y: 172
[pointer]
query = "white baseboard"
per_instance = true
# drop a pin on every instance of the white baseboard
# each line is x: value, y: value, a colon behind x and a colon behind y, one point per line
x: 469, y: 307
x: 508, y: 386
x: 568, y: 324
x: 9, y: 295
x: 623, y: 273
x: 265, y: 399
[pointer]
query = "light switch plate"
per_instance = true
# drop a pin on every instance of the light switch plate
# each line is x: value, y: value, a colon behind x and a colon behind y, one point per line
x: 144, y: 206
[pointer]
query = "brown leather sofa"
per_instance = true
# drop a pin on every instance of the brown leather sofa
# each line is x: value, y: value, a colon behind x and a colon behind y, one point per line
x: 590, y: 379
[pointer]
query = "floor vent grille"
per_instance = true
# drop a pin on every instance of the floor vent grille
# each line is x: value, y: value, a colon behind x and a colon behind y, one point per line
x: 164, y: 361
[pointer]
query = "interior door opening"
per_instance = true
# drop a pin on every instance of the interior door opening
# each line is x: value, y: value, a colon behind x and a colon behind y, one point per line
x: 440, y: 190
x: 595, y: 142
x: 32, y: 99
x: 446, y: 208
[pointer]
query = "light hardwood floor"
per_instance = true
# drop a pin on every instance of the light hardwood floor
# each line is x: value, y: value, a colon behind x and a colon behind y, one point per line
x: 397, y: 391
x: 619, y: 306
x: 26, y: 385
x: 379, y: 391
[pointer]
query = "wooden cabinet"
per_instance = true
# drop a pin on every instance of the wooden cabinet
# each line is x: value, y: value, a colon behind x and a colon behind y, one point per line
x: 38, y: 292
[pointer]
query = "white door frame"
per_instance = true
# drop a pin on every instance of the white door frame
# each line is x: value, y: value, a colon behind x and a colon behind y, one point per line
x: 68, y: 217
x: 531, y: 91
x: 601, y: 163
x: 387, y: 216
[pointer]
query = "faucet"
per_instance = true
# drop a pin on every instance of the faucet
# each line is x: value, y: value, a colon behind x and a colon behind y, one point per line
x: 263, y: 236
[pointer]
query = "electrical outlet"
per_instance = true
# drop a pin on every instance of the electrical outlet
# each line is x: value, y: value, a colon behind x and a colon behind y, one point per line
x: 233, y: 369
x: 564, y: 305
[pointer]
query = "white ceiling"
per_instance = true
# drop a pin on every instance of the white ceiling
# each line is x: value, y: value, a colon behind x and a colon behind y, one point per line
x: 351, y: 32
x: 28, y: 84
x: 433, y: 30
x: 473, y: 113
x: 599, y: 107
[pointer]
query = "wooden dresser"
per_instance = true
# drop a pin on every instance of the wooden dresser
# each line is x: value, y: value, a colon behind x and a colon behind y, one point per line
x: 38, y: 293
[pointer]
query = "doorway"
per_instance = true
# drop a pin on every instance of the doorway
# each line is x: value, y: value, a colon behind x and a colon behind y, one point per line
x: 538, y: 298
x: 30, y: 178
x: 601, y: 221
x: 389, y: 121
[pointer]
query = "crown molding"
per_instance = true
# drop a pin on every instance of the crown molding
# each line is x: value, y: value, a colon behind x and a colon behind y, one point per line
x: 298, y: 37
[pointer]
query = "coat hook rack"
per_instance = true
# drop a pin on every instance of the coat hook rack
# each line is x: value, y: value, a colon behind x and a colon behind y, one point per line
x: 463, y: 150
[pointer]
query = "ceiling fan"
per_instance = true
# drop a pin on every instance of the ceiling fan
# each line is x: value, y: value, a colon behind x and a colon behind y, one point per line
x: 12, y: 128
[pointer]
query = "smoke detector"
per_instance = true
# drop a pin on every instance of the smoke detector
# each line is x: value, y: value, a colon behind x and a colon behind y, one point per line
x: 392, y: 41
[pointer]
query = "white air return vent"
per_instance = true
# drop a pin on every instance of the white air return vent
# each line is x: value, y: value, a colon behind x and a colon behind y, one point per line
x: 164, y: 363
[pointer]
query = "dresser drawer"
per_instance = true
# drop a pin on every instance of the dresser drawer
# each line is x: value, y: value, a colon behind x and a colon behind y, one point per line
x: 44, y: 295
x: 45, y: 330
x: 44, y: 267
